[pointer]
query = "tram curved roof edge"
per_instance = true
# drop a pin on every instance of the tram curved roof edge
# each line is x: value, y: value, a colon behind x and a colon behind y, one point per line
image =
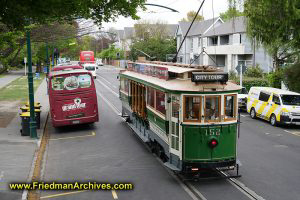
x: 176, y: 67
x: 181, y: 84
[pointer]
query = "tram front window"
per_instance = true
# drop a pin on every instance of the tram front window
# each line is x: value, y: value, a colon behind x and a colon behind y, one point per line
x: 229, y: 106
x: 192, y: 108
x: 212, y: 108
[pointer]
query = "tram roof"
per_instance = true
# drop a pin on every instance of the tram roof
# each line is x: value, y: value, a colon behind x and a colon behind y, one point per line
x: 179, y: 67
x: 182, y: 84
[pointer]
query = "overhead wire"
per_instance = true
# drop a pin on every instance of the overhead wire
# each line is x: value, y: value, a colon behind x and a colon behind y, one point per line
x: 175, y: 57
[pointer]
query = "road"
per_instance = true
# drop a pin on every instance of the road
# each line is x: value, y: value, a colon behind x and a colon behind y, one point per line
x: 109, y: 152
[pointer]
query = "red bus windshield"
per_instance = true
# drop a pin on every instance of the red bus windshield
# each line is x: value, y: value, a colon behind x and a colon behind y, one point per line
x: 71, y: 82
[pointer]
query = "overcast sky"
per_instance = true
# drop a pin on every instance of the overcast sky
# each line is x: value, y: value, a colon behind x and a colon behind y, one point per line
x: 210, y: 8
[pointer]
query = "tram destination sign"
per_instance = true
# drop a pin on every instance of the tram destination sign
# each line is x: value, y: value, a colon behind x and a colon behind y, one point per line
x: 209, y: 77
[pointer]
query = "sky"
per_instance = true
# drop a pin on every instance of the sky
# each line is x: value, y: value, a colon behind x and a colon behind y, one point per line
x: 210, y: 9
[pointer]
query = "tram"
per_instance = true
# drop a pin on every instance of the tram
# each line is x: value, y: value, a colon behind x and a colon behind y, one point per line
x: 187, y: 114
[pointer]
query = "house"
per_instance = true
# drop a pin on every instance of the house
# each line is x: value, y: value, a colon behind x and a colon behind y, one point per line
x: 228, y: 46
x: 224, y: 44
x: 192, y: 45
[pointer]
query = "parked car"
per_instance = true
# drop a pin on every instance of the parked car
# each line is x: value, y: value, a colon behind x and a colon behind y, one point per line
x: 274, y: 105
x: 99, y: 62
x: 242, y: 98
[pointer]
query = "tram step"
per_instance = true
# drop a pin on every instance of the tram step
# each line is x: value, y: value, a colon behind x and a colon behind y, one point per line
x: 171, y: 166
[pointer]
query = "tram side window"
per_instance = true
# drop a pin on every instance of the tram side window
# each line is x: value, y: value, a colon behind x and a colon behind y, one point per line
x: 126, y: 85
x: 150, y: 97
x: 192, y: 108
x: 175, y: 107
x: 160, y: 102
x: 212, y: 108
x: 229, y: 106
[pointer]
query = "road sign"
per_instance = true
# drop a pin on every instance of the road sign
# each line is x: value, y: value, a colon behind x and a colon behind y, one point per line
x: 238, y: 68
x: 25, y: 60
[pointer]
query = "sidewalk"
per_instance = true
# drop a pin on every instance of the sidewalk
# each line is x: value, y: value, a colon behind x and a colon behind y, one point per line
x: 17, y: 152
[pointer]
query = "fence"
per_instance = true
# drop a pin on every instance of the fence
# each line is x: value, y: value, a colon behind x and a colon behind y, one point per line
x: 116, y: 63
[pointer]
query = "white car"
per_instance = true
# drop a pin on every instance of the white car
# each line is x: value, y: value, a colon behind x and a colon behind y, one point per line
x: 91, y: 67
x: 242, y: 98
x: 99, y: 62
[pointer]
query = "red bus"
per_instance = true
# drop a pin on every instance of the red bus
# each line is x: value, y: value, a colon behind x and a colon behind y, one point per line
x: 66, y: 67
x: 87, y: 57
x: 72, y: 97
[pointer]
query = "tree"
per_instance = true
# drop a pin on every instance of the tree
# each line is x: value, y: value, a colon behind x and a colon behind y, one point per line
x: 146, y: 29
x: 276, y: 25
x: 17, y: 14
x: 231, y: 13
x: 190, y: 16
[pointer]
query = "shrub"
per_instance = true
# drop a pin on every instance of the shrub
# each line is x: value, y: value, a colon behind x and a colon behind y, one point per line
x: 232, y: 75
x: 249, y: 82
x: 275, y: 78
x: 292, y: 74
x: 254, y: 71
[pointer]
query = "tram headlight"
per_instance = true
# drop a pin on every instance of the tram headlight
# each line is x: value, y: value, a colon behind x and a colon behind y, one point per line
x: 213, y: 143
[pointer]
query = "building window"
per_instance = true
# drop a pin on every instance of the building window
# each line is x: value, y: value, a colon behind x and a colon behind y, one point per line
x: 212, y: 108
x: 230, y: 107
x: 192, y: 40
x: 192, y: 109
x: 150, y: 97
x: 160, y: 102
x: 213, y: 41
x: 240, y: 38
x: 199, y: 41
x: 224, y: 40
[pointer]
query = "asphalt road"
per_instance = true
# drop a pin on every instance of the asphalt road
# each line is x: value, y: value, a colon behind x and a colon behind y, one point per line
x: 109, y: 152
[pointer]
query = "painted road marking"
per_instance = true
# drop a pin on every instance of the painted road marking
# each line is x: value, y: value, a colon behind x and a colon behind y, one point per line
x: 116, y: 110
x: 81, y: 136
x: 297, y: 133
x: 116, y: 94
x: 114, y: 194
x: 244, y: 115
x: 62, y: 194
x: 107, y: 81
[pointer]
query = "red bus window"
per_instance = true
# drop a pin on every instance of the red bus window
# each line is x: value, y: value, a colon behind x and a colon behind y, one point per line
x: 71, y: 82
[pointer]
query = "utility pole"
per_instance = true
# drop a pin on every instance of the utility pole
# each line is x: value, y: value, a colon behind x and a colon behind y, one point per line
x: 241, y: 75
x: 47, y: 58
x: 32, y: 123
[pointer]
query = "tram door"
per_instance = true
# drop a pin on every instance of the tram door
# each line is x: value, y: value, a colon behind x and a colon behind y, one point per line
x: 174, y: 125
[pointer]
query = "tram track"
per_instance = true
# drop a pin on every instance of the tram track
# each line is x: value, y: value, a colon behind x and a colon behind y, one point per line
x: 193, y: 192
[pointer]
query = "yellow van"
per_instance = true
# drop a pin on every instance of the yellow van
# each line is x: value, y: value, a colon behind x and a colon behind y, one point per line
x: 274, y: 105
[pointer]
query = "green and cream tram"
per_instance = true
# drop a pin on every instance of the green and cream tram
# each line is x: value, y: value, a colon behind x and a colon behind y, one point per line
x: 187, y: 114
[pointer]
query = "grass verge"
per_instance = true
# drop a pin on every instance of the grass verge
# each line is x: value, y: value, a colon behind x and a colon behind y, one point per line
x: 18, y: 89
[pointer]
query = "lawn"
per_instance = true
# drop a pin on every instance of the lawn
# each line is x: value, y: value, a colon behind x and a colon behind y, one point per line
x: 18, y: 89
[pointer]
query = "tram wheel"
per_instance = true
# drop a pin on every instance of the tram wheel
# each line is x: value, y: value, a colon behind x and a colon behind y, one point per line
x: 252, y: 113
x: 273, y: 121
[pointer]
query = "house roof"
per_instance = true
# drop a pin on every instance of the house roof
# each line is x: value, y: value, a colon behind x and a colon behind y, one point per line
x: 197, y: 28
x: 235, y: 25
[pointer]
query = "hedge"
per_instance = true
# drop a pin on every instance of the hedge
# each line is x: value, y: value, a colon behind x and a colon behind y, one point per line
x: 249, y: 82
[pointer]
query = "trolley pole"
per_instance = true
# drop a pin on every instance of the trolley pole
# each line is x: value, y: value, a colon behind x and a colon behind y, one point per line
x: 32, y: 123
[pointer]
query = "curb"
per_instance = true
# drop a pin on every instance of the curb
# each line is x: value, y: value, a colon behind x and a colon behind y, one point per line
x: 38, y: 142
